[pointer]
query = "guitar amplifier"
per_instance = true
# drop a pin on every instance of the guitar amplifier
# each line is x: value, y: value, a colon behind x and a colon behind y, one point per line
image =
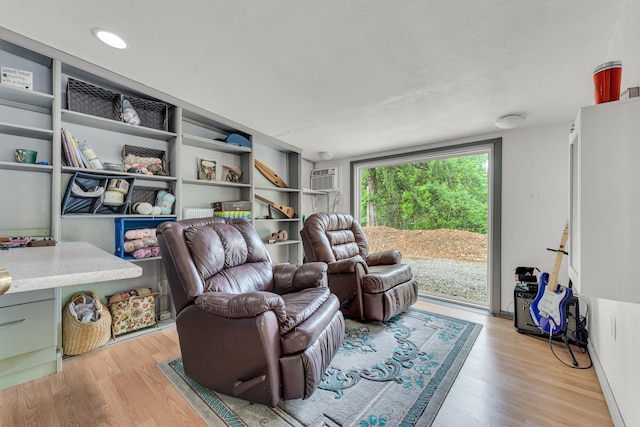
x: 523, y: 297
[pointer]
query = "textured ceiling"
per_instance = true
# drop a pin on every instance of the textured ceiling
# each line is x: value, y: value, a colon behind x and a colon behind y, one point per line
x: 352, y: 77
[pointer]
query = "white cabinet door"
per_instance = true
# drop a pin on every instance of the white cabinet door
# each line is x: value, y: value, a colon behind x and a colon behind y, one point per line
x: 608, y: 198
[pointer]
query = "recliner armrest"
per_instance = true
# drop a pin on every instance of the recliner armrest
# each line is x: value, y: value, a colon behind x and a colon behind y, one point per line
x: 236, y: 306
x: 292, y: 278
x: 347, y: 265
x: 392, y: 256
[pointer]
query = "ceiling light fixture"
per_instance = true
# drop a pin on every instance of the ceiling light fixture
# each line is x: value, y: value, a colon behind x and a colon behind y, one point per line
x: 325, y: 155
x: 510, y: 121
x: 109, y: 38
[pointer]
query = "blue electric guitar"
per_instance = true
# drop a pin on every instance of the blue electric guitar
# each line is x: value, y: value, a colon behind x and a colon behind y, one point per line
x: 549, y: 309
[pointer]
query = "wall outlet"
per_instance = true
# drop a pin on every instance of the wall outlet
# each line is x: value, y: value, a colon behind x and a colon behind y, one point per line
x: 165, y: 315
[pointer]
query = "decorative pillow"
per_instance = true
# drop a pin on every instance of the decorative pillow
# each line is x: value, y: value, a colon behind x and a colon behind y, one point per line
x: 132, y: 310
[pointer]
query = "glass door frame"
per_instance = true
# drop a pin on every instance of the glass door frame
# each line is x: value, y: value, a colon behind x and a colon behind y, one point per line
x: 493, y: 148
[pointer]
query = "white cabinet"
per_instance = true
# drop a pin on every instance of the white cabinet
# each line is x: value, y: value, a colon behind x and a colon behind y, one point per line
x: 605, y: 201
x: 26, y: 322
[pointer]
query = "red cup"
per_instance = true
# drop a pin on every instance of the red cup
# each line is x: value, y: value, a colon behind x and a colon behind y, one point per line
x: 606, y: 81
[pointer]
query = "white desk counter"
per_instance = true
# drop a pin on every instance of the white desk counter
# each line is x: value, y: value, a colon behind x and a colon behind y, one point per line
x: 65, y: 264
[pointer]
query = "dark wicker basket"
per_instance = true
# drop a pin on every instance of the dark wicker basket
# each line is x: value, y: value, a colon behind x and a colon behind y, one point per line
x: 147, y: 152
x: 94, y: 100
x: 144, y: 194
x: 153, y: 114
x: 87, y: 98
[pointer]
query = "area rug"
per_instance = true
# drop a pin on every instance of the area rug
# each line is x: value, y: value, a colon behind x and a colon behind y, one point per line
x: 386, y: 374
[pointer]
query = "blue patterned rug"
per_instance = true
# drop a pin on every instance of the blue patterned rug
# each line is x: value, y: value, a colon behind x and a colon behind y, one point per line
x: 386, y: 374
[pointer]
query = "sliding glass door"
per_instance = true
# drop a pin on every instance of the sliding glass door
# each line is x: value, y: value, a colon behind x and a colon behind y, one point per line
x: 435, y: 207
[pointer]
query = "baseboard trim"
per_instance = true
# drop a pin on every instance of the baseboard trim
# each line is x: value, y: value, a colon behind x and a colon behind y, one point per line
x: 614, y: 411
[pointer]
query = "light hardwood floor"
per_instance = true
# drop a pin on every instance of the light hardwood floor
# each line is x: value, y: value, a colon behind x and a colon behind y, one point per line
x: 508, y: 379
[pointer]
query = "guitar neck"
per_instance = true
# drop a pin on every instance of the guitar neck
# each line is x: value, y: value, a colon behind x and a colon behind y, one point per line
x: 262, y: 199
x: 287, y: 211
x: 553, y: 278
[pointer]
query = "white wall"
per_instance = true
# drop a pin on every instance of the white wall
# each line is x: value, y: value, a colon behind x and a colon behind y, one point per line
x: 535, y: 206
x: 535, y: 188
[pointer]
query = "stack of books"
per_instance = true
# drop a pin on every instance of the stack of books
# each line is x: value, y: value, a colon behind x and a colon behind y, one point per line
x: 233, y: 214
x: 78, y: 154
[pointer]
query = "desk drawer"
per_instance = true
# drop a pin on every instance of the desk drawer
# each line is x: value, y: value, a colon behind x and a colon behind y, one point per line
x: 27, y: 327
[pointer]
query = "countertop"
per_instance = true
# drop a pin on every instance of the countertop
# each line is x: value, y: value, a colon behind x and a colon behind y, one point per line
x: 65, y: 264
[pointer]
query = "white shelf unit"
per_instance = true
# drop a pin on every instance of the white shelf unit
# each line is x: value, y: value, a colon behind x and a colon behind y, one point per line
x: 286, y: 162
x: 107, y: 138
x: 202, y: 137
x: 604, y: 182
x: 27, y: 122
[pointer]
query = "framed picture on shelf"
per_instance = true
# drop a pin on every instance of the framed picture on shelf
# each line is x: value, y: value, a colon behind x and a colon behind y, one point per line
x: 231, y: 173
x: 206, y: 169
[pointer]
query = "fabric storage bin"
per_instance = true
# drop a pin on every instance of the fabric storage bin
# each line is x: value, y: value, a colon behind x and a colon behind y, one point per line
x: 122, y: 225
x: 85, y: 193
x: 132, y: 310
x: 153, y: 114
x: 79, y: 337
x: 86, y: 98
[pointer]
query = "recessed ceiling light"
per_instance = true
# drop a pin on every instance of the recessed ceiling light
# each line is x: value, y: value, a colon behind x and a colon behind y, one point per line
x: 510, y: 121
x: 109, y: 38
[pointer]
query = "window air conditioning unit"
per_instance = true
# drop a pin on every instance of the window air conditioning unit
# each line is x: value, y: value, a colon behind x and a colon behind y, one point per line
x: 325, y: 179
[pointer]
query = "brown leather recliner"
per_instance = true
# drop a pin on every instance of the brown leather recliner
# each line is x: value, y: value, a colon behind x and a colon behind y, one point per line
x: 248, y: 328
x: 370, y: 286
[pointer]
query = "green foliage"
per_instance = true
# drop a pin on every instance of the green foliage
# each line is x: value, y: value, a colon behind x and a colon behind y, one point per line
x: 449, y: 193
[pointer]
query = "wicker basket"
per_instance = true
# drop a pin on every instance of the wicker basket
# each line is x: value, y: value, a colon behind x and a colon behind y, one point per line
x: 144, y: 194
x: 78, y: 337
x: 152, y: 114
x: 147, y: 152
x: 94, y: 100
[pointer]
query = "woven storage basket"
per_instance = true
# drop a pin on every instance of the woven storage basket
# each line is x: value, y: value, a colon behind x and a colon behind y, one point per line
x: 94, y: 100
x: 147, y: 152
x: 152, y: 114
x: 144, y: 194
x: 78, y: 337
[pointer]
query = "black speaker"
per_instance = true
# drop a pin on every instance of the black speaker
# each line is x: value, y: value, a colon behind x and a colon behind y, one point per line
x: 523, y: 297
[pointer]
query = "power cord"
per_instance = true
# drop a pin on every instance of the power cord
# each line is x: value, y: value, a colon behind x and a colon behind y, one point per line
x: 580, y: 337
x: 581, y: 334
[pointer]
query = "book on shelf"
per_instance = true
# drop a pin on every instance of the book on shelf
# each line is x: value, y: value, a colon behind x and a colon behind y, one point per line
x: 232, y: 205
x: 206, y: 169
x: 233, y: 214
x: 78, y: 154
x: 72, y: 156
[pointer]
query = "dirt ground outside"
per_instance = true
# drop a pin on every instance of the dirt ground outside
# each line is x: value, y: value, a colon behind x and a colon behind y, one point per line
x: 450, y: 263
